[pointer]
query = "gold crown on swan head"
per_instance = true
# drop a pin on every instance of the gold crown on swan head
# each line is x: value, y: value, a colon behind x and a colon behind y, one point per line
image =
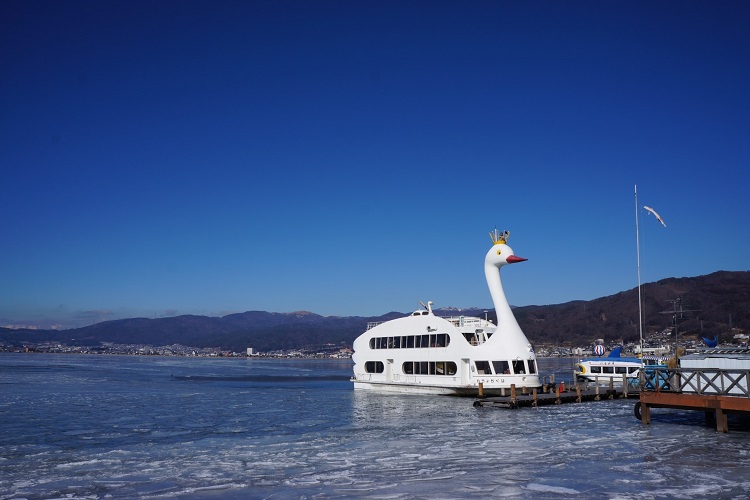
x: 499, y: 237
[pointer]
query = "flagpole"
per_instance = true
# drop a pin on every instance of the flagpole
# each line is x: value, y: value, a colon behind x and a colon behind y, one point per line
x: 638, y: 253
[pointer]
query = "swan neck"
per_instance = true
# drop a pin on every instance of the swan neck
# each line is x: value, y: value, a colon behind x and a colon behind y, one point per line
x: 502, y: 308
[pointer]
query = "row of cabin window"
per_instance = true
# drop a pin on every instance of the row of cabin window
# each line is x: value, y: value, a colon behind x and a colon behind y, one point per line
x: 448, y: 368
x: 411, y: 341
x: 429, y: 368
x: 504, y: 367
x: 614, y: 369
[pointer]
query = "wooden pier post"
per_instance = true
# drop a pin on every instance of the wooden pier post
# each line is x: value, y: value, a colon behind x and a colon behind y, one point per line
x: 611, y: 388
x: 721, y: 421
x: 596, y: 381
x: 513, y: 394
x: 534, y: 402
x: 645, y: 413
x: 624, y: 386
x: 557, y: 395
x: 578, y: 393
x: 481, y: 390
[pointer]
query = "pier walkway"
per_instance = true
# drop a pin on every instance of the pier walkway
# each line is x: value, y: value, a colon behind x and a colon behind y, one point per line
x: 555, y: 394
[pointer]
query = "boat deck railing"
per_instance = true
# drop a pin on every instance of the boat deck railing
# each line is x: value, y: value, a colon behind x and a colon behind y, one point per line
x: 457, y: 321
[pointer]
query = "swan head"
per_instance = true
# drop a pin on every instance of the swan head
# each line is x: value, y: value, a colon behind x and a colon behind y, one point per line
x: 501, y: 254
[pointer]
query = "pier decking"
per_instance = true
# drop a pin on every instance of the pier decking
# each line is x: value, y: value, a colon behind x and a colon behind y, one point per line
x: 555, y: 394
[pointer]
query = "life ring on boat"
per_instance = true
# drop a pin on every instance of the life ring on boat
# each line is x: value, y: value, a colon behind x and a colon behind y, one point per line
x: 581, y: 369
x: 637, y: 410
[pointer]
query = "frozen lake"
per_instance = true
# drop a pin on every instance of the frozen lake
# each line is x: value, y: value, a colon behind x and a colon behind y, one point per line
x: 163, y: 427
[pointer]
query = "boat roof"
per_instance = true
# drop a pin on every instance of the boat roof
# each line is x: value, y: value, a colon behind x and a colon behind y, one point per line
x: 614, y: 357
x: 612, y: 360
x: 721, y: 352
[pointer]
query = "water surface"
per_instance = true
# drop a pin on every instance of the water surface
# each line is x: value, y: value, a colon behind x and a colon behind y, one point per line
x: 163, y: 427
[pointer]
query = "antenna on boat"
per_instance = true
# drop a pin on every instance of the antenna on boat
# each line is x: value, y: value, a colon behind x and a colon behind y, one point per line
x: 638, y: 252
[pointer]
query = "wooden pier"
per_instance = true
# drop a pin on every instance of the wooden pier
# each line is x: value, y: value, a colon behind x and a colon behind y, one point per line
x: 554, y: 394
x: 717, y: 392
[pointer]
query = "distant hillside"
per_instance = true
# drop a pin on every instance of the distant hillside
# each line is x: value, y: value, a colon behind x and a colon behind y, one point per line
x: 719, y: 301
x: 264, y: 331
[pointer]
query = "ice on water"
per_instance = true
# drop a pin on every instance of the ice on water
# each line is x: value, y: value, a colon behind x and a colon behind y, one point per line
x: 96, y: 426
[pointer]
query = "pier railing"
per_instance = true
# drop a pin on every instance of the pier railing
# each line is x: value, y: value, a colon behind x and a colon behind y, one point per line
x: 713, y: 381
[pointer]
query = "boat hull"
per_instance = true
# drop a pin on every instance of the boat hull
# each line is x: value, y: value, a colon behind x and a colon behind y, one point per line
x: 437, y: 390
x: 407, y: 388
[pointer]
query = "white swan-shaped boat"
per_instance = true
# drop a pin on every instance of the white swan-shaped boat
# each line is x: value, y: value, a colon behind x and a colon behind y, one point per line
x: 428, y: 354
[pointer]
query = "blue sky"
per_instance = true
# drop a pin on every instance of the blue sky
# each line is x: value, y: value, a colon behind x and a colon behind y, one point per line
x: 350, y: 157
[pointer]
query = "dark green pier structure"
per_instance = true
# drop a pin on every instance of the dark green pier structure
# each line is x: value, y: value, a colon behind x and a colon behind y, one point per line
x: 715, y: 391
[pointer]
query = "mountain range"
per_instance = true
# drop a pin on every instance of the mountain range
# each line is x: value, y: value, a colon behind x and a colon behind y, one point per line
x: 714, y: 305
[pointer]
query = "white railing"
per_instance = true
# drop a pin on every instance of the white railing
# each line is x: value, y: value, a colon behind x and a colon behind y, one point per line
x: 467, y: 321
x: 457, y: 321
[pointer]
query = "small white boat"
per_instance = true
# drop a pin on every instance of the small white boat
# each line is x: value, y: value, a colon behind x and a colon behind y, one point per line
x: 612, y: 367
x: 428, y: 354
